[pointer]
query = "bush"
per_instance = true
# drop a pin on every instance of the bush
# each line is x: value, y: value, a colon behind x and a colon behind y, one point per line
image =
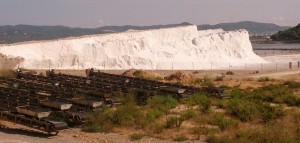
x: 222, y: 139
x: 151, y: 116
x: 188, y: 115
x: 127, y: 114
x: 242, y: 134
x: 202, y: 100
x: 262, y: 79
x: 222, y: 122
x: 270, y: 113
x: 92, y: 127
x: 292, y: 84
x: 98, y: 122
x: 243, y: 109
x: 229, y: 73
x: 136, y: 136
x: 180, y: 139
x: 273, y: 93
x: 159, y: 128
x: 207, y: 81
x: 173, y: 122
x: 219, y: 78
x: 237, y: 93
x: 162, y: 103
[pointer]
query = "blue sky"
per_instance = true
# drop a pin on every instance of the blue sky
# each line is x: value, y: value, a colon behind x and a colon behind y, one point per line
x: 96, y: 13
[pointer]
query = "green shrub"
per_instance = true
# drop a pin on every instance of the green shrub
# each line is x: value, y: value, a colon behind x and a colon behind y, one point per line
x: 243, y: 109
x: 173, y: 122
x: 207, y: 81
x: 262, y: 79
x: 136, y: 136
x: 202, y: 130
x: 202, y: 100
x: 159, y: 128
x: 151, y: 116
x: 188, y: 114
x: 222, y: 139
x: 237, y: 93
x: 222, y: 122
x: 221, y: 104
x: 98, y: 122
x: 270, y: 113
x: 292, y: 84
x: 274, y: 93
x: 180, y: 138
x: 229, y: 73
x: 162, y: 103
x: 291, y: 100
x: 242, y: 134
x: 219, y: 78
x: 92, y: 127
x: 127, y: 114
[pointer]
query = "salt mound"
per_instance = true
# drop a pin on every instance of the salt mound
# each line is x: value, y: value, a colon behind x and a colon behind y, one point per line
x: 171, y: 48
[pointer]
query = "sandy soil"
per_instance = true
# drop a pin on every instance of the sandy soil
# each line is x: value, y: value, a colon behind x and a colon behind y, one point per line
x: 14, y: 133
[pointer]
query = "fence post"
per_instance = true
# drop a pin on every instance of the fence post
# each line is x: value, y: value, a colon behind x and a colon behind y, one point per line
x: 298, y: 64
x: 290, y: 65
x: 193, y: 66
x: 18, y: 63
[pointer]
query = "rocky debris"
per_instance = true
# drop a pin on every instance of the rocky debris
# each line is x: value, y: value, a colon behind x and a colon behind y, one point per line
x: 179, y: 76
x: 129, y: 73
x: 142, y: 74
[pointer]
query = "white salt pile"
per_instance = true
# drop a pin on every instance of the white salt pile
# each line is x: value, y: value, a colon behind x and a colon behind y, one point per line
x: 171, y: 48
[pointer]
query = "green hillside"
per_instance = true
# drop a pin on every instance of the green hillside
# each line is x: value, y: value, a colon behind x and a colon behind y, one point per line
x: 291, y: 34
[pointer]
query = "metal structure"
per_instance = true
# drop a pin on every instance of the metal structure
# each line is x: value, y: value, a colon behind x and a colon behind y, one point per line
x: 31, y: 99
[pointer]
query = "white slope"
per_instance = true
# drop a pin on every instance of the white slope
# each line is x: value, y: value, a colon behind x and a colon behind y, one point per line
x: 171, y: 48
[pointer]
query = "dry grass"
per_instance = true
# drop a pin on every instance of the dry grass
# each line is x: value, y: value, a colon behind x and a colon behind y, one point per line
x: 7, y: 73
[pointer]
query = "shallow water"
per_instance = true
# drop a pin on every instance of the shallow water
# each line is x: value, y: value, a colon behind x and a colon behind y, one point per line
x: 276, y: 49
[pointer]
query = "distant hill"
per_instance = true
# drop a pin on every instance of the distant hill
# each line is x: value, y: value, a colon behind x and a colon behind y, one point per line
x: 289, y: 35
x: 254, y: 28
x: 20, y: 33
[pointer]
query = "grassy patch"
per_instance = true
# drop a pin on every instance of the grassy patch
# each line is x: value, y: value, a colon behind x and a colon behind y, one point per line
x: 271, y: 113
x: 173, y: 122
x: 180, y: 138
x: 222, y: 139
x: 292, y: 84
x: 7, y: 73
x: 98, y: 122
x: 263, y: 79
x: 222, y: 122
x: 243, y: 109
x: 136, y: 136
